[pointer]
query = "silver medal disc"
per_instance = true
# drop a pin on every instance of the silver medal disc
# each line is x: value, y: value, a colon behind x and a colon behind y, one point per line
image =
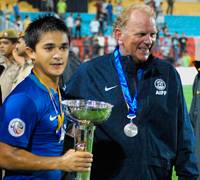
x: 130, y: 130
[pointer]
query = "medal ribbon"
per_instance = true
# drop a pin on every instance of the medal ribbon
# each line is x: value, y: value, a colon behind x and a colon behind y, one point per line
x: 61, y: 115
x: 131, y: 102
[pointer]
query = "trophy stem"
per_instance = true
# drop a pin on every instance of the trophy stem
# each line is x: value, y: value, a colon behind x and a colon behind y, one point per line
x: 85, y: 114
x: 84, y: 142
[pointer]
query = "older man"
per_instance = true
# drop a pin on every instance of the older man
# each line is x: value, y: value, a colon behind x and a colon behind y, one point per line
x: 149, y: 130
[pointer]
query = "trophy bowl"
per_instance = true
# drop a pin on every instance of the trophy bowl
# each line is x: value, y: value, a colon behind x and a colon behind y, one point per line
x: 85, y: 115
x: 87, y: 110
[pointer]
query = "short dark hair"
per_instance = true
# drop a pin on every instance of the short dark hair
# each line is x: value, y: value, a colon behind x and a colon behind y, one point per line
x: 43, y: 24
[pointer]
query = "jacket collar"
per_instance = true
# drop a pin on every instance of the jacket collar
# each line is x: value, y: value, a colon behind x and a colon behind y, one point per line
x: 131, y: 67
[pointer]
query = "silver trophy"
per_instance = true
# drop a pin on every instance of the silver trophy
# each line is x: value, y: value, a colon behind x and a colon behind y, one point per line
x: 86, y: 114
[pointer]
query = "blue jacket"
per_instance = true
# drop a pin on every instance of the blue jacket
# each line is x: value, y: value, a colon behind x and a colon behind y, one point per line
x: 165, y: 137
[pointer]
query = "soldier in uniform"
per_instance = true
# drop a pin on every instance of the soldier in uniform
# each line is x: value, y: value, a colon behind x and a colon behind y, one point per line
x: 8, y: 39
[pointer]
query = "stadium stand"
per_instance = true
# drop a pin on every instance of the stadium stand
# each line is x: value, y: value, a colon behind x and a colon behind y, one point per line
x: 24, y: 5
x: 185, y: 19
x: 184, y: 7
x: 188, y: 24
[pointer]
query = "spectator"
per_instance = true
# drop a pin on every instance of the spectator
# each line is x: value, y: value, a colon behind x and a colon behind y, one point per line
x: 110, y: 12
x: 43, y: 5
x: 25, y: 62
x: 104, y: 12
x: 160, y: 18
x: 175, y: 47
x: 170, y: 6
x: 87, y: 43
x: 111, y: 43
x: 8, y: 40
x: 158, y: 8
x: 184, y: 60
x: 61, y: 9
x: 2, y: 19
x: 183, y: 43
x: 7, y: 13
x: 75, y: 48
x: 18, y: 24
x: 166, y: 46
x: 98, y: 6
x: 118, y: 8
x: 70, y: 24
x: 94, y: 27
x: 165, y: 29
x: 50, y: 5
x: 95, y: 47
x: 16, y: 9
x: 78, y: 23
x: 101, y: 20
x: 101, y: 42
x: 1, y: 11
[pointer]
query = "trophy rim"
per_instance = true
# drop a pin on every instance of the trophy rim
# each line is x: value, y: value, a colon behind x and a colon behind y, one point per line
x: 83, y: 102
x: 71, y: 106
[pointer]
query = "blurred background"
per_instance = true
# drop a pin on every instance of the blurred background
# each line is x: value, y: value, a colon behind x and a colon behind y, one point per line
x: 90, y: 24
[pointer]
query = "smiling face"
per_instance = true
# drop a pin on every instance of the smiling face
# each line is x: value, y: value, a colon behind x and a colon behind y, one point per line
x: 138, y: 36
x: 51, y: 54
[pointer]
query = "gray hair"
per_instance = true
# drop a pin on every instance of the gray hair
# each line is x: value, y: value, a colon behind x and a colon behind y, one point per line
x: 123, y: 18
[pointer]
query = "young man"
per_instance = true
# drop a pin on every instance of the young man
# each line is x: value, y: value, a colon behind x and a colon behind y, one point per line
x: 149, y: 130
x: 32, y: 122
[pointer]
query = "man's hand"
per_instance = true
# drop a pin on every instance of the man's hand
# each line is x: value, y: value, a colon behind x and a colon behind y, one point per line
x: 78, y: 161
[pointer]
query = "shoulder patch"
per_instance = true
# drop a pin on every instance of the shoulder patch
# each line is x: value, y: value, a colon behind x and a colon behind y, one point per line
x: 16, y: 127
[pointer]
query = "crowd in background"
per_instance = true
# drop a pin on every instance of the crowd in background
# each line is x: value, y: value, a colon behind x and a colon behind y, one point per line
x: 15, y: 65
x: 170, y: 46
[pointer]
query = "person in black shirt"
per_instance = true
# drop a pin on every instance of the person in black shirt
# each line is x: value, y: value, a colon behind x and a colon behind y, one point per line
x: 183, y: 43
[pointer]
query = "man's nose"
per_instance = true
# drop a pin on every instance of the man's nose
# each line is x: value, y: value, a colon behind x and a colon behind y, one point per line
x: 148, y: 39
x: 57, y: 53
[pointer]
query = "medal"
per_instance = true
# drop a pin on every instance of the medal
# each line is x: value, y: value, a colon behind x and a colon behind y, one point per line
x: 130, y: 130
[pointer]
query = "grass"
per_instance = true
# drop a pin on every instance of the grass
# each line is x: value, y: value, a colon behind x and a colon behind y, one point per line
x: 187, y: 90
x: 188, y: 95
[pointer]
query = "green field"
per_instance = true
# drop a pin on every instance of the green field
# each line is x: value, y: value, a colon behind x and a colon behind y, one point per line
x: 188, y: 94
x: 188, y: 97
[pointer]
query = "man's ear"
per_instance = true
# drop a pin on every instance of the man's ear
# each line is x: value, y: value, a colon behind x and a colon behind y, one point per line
x: 118, y: 36
x: 30, y: 52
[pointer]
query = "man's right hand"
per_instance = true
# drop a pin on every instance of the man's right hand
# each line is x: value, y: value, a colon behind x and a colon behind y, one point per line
x: 78, y: 161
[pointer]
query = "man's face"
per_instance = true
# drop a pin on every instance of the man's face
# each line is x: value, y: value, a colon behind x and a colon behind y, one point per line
x: 21, y: 47
x: 6, y: 47
x: 138, y: 37
x: 51, y: 54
